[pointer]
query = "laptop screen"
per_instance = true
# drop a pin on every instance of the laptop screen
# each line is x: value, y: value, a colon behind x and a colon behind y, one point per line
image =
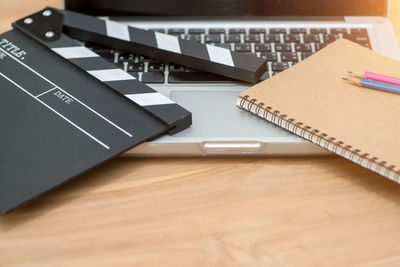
x: 231, y: 7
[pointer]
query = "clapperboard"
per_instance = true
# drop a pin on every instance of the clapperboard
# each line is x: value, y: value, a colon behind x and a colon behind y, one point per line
x: 64, y: 110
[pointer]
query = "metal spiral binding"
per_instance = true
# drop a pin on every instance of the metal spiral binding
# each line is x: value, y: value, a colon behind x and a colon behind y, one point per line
x: 363, y: 157
x: 388, y: 169
x: 281, y: 117
x: 297, y: 125
x: 242, y: 101
x: 397, y: 175
x: 337, y: 145
x: 331, y: 140
x: 373, y: 160
x: 304, y: 130
x: 274, y: 114
x: 380, y: 165
x: 287, y: 122
x: 322, y: 139
x: 259, y: 106
x: 251, y: 103
x: 266, y: 111
x: 346, y: 149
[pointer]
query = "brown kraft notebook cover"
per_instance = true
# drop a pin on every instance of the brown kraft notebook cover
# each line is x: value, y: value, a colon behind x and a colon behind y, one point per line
x: 311, y: 100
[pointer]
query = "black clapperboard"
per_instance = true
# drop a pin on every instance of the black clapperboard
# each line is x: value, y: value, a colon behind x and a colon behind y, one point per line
x: 65, y: 110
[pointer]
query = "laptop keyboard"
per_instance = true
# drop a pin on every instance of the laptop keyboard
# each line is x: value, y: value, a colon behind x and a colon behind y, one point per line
x: 282, y: 47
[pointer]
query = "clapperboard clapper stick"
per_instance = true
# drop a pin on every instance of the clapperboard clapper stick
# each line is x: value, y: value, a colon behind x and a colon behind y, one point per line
x: 46, y: 27
x: 164, y: 47
x: 64, y: 110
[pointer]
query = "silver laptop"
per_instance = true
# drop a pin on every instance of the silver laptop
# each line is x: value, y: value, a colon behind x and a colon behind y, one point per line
x: 283, y: 31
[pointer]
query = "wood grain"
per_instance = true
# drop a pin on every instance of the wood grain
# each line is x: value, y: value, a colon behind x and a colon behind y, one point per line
x: 208, y: 211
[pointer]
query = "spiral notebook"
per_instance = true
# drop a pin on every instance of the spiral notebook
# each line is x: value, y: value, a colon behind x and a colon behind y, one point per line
x: 311, y: 100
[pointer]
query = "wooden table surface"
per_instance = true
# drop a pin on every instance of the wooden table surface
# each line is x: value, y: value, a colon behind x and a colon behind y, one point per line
x: 208, y: 211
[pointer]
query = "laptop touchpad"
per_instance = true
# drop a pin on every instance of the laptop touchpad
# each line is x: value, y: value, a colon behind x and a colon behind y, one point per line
x: 215, y: 114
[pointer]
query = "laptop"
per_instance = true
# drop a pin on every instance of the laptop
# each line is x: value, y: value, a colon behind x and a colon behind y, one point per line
x: 284, y: 32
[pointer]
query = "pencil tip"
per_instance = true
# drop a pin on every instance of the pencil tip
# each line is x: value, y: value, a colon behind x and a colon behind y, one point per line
x: 350, y: 72
x: 346, y: 79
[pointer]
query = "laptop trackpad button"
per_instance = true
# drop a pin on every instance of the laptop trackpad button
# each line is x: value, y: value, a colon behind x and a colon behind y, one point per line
x: 215, y: 114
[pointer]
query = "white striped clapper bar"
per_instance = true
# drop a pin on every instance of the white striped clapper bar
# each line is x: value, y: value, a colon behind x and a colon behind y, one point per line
x: 164, y: 47
x: 173, y: 115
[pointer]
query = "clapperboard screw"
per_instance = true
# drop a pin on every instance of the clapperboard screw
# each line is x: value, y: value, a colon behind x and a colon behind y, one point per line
x: 49, y: 34
x: 47, y: 13
x: 28, y: 21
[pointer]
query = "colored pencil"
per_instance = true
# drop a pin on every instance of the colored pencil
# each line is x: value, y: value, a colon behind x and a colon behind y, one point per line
x: 374, y: 85
x: 376, y: 77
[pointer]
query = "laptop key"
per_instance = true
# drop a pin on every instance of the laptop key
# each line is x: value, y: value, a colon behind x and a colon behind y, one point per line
x: 196, y: 31
x: 196, y: 77
x: 359, y: 31
x: 175, y: 67
x: 298, y: 30
x: 359, y: 39
x: 305, y: 55
x: 252, y: 38
x: 156, y: 66
x: 146, y: 59
x: 135, y: 67
x: 283, y: 47
x: 227, y: 46
x: 356, y: 38
x: 289, y: 56
x: 232, y: 38
x: 277, y: 30
x: 311, y: 38
x: 153, y: 77
x: 176, y: 31
x: 216, y: 31
x: 257, y: 30
x: 272, y: 38
x: 319, y: 46
x: 242, y: 48
x: 158, y: 30
x: 279, y: 66
x: 318, y: 30
x: 338, y: 30
x: 291, y: 38
x: 124, y: 56
x: 329, y: 38
x: 192, y: 37
x: 303, y: 47
x: 263, y: 47
x: 270, y: 56
x: 237, y: 31
x: 212, y: 38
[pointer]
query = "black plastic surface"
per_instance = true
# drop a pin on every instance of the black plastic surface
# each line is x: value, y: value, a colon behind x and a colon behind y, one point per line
x: 56, y: 122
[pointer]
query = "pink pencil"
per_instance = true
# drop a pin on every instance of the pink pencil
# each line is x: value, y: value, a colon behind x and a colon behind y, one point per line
x: 376, y: 77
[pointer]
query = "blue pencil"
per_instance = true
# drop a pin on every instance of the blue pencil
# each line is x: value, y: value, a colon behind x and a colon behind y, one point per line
x: 375, y: 85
